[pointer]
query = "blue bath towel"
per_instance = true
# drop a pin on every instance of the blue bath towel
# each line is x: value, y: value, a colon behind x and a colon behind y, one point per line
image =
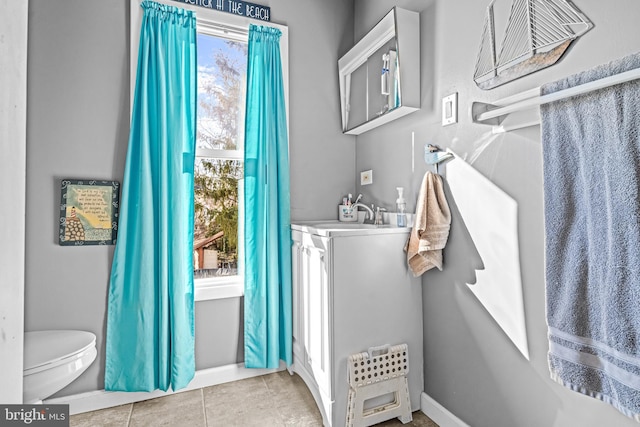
x: 591, y: 152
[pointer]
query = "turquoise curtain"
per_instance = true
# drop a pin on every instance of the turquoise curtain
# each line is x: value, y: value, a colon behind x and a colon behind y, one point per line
x: 150, y: 323
x: 267, y: 241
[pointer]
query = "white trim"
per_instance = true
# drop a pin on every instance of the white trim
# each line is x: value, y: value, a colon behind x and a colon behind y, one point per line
x: 212, y: 291
x: 438, y: 413
x: 13, y: 146
x: 238, y: 34
x: 210, y: 153
x: 101, y: 399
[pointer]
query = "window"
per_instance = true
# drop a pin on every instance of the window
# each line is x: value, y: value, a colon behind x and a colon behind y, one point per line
x: 222, y: 39
x: 222, y: 64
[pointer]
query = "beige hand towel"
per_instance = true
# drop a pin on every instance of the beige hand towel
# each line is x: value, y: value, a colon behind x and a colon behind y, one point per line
x: 430, y: 227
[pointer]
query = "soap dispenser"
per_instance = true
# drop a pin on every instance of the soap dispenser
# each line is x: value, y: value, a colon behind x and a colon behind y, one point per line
x: 401, y: 205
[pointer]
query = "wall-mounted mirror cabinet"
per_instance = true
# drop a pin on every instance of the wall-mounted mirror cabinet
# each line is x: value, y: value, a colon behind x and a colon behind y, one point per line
x: 380, y: 75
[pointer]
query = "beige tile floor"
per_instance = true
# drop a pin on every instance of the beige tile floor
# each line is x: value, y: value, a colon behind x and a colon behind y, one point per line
x: 272, y: 400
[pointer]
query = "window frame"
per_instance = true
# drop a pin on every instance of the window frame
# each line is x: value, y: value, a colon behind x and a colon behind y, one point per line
x: 233, y: 27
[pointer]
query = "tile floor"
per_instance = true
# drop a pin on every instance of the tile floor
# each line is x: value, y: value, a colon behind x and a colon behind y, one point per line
x: 272, y: 400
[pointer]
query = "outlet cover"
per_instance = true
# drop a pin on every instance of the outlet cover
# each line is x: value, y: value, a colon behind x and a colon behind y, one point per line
x: 366, y: 177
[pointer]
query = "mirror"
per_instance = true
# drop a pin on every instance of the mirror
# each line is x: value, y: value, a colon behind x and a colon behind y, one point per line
x: 379, y: 76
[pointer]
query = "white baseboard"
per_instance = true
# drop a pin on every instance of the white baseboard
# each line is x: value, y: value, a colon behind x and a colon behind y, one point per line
x: 101, y: 399
x: 438, y: 413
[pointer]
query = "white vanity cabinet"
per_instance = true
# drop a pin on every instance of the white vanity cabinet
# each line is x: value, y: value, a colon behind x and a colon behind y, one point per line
x: 312, y: 314
x: 351, y: 291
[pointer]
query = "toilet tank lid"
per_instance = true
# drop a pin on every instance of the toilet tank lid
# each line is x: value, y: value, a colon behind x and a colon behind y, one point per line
x: 42, y: 347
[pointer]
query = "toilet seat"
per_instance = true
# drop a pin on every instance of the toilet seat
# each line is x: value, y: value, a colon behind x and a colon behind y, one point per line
x: 48, y: 349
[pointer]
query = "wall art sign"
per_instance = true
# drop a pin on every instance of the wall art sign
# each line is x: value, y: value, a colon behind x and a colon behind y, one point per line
x: 538, y: 33
x: 89, y: 212
x: 240, y: 8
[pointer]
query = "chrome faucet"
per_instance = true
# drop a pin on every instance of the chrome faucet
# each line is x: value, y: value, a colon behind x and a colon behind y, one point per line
x: 371, y: 218
x: 379, y: 218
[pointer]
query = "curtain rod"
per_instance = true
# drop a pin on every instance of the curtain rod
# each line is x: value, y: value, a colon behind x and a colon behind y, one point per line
x: 484, y: 113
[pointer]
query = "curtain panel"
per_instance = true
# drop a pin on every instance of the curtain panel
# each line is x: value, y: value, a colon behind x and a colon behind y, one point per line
x: 267, y: 299
x: 150, y: 323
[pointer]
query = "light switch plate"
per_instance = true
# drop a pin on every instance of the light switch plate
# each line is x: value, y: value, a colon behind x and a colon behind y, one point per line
x: 450, y: 109
x: 366, y: 177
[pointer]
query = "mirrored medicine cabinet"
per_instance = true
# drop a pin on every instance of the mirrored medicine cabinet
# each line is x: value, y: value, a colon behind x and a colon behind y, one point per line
x: 380, y: 76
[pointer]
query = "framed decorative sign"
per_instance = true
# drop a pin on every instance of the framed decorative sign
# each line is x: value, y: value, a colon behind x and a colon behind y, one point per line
x: 236, y: 7
x: 89, y: 212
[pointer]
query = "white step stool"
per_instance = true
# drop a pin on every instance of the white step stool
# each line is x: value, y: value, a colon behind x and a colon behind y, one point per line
x: 380, y: 371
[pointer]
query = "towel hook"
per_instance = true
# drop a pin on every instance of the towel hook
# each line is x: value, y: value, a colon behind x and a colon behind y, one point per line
x: 433, y: 155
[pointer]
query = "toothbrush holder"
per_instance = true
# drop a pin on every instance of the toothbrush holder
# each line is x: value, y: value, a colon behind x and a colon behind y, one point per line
x: 346, y: 213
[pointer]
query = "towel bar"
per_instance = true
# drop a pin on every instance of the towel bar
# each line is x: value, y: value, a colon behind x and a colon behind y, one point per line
x: 433, y: 155
x: 493, y: 114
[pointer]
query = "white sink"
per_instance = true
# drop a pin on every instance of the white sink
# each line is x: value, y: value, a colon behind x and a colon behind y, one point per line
x: 347, y: 225
x: 337, y: 228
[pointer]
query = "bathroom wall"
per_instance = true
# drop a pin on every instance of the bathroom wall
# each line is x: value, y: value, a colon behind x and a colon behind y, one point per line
x: 78, y: 118
x: 471, y: 366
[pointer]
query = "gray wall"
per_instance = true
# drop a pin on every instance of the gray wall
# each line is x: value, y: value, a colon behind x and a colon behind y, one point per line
x: 77, y: 127
x: 78, y: 118
x: 471, y: 367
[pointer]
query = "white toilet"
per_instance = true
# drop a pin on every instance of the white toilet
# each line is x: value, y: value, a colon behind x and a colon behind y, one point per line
x: 53, y: 359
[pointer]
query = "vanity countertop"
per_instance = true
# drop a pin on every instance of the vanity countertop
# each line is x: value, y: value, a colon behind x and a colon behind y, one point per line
x: 331, y: 228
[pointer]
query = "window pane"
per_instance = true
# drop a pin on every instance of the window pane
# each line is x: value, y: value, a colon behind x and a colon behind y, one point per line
x: 221, y: 88
x: 216, y: 191
x: 222, y: 66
